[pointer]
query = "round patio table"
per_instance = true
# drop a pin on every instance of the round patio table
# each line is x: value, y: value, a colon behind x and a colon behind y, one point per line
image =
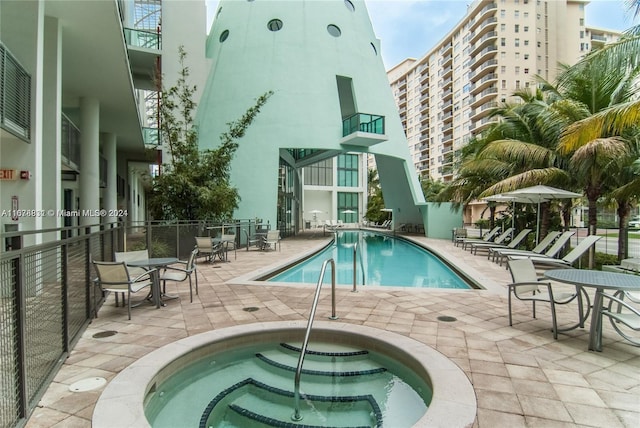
x: 601, y: 281
x: 157, y: 263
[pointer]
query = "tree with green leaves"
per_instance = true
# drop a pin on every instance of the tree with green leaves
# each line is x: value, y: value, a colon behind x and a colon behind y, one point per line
x: 195, y: 184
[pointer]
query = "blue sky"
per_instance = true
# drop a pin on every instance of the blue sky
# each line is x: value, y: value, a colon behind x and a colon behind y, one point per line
x: 410, y: 28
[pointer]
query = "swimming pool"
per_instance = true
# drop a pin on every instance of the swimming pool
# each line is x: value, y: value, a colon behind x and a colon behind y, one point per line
x: 384, y: 259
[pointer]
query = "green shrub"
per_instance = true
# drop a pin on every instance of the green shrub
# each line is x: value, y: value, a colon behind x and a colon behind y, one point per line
x: 158, y: 248
x: 599, y: 260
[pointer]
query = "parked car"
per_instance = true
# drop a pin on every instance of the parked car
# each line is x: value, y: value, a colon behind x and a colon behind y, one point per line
x: 634, y: 223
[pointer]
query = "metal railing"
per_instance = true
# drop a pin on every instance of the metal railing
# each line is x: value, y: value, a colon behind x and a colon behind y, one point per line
x: 355, y: 270
x: 296, y: 383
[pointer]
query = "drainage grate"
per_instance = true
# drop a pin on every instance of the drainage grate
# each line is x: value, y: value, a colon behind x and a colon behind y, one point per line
x: 447, y: 318
x: 250, y: 309
x: 102, y: 334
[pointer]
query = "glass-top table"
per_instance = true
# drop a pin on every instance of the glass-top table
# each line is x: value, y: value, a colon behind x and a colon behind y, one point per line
x: 601, y: 281
x: 154, y: 263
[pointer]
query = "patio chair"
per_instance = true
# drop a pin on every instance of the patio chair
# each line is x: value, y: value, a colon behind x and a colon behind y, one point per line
x: 567, y: 260
x: 551, y: 252
x: 206, y: 248
x: 621, y: 311
x: 272, y: 240
x: 128, y: 256
x: 255, y: 241
x: 115, y: 276
x: 486, y: 238
x: 475, y: 246
x: 525, y: 281
x: 229, y: 243
x: 500, y: 239
x: 180, y: 274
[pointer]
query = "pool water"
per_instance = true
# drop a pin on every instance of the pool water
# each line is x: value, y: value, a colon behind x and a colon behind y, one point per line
x: 341, y: 386
x: 385, y: 260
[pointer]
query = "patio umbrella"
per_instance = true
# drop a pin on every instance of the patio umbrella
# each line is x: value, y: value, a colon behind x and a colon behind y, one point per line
x: 541, y: 193
x: 315, y: 214
x: 387, y: 210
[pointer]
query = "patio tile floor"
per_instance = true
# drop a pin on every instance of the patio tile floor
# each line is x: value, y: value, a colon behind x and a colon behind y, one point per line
x: 521, y: 376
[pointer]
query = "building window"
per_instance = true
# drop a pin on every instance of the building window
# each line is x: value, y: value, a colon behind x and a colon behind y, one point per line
x: 526, y: 71
x: 349, y: 5
x: 348, y: 170
x: 516, y: 14
x: 503, y: 69
x: 319, y: 174
x: 516, y: 27
x: 582, y: 22
x: 526, y: 42
x: 517, y: 42
x: 503, y: 27
x: 274, y: 25
x: 526, y: 56
x: 503, y: 13
x: 517, y: 55
x: 224, y: 36
x: 503, y: 41
x: 504, y: 84
x: 348, y: 202
x: 517, y: 69
x: 517, y: 84
x: 526, y: 29
x: 334, y: 30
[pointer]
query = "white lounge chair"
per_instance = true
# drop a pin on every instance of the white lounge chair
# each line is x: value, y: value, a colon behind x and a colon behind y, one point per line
x: 538, y: 249
x: 475, y: 246
x: 489, y: 236
x: 553, y: 251
x: 500, y: 239
x: 568, y: 260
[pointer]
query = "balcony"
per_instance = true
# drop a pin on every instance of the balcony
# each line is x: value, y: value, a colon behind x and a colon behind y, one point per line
x: 488, y: 38
x: 144, y: 49
x: 15, y: 98
x: 483, y: 83
x: 483, y: 110
x: 487, y: 12
x: 363, y: 129
x: 70, y: 145
x: 482, y: 69
x: 484, y: 96
x: 485, y: 54
x: 424, y: 78
x: 151, y: 137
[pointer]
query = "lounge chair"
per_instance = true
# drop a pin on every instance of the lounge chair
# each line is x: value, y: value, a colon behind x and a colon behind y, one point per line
x: 500, y: 239
x: 488, y: 237
x: 568, y: 260
x: 475, y: 246
x: 552, y: 251
x: 525, y: 281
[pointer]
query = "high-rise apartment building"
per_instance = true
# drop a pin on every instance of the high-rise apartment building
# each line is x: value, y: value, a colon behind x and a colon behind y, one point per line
x: 499, y: 46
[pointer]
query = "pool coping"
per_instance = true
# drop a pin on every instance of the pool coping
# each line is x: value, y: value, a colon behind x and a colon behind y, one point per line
x: 453, y: 403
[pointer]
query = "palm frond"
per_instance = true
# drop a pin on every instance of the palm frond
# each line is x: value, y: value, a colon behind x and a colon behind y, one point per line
x: 612, y: 121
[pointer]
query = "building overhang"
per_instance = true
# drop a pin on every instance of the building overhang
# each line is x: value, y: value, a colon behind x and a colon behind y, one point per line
x: 363, y: 139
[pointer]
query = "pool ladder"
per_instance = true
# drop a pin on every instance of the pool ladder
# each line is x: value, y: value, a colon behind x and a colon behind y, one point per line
x: 296, y: 386
x: 355, y: 270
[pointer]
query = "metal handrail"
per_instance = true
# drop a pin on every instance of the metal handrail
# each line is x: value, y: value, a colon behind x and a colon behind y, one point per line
x: 355, y: 271
x: 296, y: 395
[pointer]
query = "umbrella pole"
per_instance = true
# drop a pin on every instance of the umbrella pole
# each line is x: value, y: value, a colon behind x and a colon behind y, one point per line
x: 538, y: 225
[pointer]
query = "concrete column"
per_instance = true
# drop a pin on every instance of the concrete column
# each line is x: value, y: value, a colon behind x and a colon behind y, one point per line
x: 110, y: 193
x: 50, y: 173
x: 89, y: 159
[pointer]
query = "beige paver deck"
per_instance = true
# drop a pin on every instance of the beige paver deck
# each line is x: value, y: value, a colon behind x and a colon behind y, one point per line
x: 521, y: 376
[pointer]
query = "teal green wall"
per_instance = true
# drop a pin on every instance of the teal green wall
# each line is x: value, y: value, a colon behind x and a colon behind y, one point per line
x: 440, y: 219
x: 299, y: 64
